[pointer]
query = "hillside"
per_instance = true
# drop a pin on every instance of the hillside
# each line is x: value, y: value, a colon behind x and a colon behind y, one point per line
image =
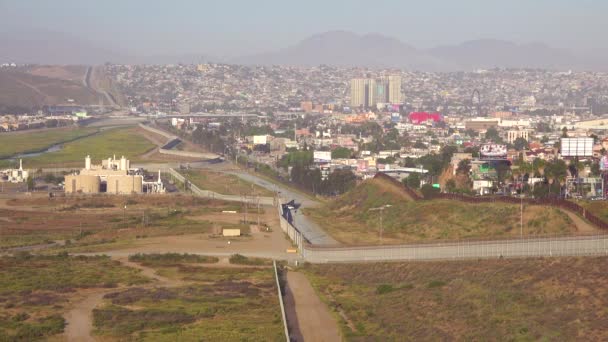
x: 24, y: 89
x: 349, y: 220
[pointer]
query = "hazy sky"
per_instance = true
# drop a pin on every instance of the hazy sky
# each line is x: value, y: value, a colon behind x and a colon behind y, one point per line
x: 224, y: 27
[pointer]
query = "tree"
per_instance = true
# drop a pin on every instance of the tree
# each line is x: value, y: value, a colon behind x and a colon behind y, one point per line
x: 428, y: 191
x: 413, y: 180
x: 341, y: 153
x: 450, y: 185
x: 464, y: 167
x: 564, y: 132
x: 338, y: 182
x: 520, y: 144
x: 492, y: 134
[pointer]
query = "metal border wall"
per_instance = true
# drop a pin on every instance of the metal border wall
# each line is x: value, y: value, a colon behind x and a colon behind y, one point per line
x: 282, y: 305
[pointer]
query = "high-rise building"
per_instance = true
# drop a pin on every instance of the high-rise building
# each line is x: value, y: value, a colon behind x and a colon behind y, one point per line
x: 368, y: 92
x: 362, y: 92
x: 382, y: 90
x: 394, y: 89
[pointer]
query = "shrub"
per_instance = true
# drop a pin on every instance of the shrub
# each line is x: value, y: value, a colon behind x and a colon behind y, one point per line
x: 436, y: 283
x: 384, y: 288
x: 172, y: 258
x: 243, y: 260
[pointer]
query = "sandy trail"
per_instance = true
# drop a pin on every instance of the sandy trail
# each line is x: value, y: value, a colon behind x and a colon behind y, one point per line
x: 312, y: 321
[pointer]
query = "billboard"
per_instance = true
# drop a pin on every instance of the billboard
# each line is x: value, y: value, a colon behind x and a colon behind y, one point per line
x: 577, y: 147
x: 322, y: 156
x: 259, y: 140
x: 604, y: 163
x: 493, y: 152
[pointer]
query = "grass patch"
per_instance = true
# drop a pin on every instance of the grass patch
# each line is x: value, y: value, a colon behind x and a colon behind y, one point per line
x: 171, y: 259
x: 118, y: 141
x: 26, y: 142
x: 514, y: 300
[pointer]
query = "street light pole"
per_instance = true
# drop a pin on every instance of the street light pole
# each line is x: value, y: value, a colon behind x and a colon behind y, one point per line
x: 381, y: 210
x: 521, y: 216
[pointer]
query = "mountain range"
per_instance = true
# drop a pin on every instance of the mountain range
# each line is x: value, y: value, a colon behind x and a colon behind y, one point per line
x: 338, y: 48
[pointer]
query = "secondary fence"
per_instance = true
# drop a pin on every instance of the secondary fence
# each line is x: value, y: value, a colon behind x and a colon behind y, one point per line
x: 211, y: 194
x: 515, y: 248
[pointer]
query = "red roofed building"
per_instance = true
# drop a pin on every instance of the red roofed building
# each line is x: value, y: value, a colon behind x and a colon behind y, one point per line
x: 420, y: 117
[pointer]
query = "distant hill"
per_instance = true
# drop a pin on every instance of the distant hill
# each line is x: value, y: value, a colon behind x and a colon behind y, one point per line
x: 342, y: 48
x: 490, y: 53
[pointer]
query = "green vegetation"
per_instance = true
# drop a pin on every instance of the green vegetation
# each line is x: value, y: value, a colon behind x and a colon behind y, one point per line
x: 25, y: 142
x: 224, y: 183
x: 118, y: 141
x: 243, y: 260
x: 34, y: 290
x: 341, y: 152
x: 168, y: 259
x: 218, y: 304
x: 491, y: 300
x: 19, y: 328
x: 350, y: 220
x: 61, y: 272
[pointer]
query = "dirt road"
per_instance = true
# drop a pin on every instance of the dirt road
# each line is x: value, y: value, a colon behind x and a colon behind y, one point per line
x: 308, y: 318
